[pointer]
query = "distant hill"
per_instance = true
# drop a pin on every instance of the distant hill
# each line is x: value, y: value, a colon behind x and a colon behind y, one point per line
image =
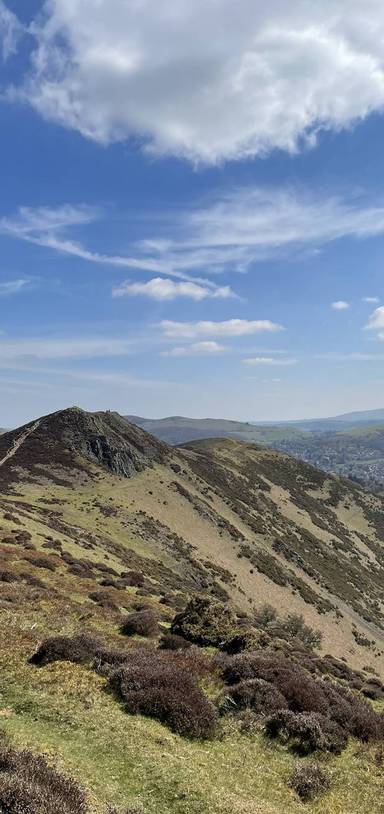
x: 349, y: 445
x: 339, y: 422
x: 180, y: 429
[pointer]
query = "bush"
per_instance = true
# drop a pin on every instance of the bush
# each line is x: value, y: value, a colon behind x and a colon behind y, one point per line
x: 151, y: 685
x: 78, y: 649
x: 249, y: 639
x: 141, y: 623
x: 134, y: 579
x: 300, y: 690
x: 310, y: 781
x: 306, y: 732
x: 255, y: 694
x: 172, y: 642
x: 265, y: 615
x: 206, y: 622
x: 41, y: 562
x: 296, y: 627
x: 29, y: 786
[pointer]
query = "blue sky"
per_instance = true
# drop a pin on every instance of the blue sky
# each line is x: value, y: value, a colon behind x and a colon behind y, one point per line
x: 191, y: 207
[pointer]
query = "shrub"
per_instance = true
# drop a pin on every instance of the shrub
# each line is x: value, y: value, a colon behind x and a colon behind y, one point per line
x: 306, y: 732
x: 78, y: 649
x: 296, y: 627
x: 172, y: 642
x: 41, y: 562
x: 257, y: 695
x: 205, y: 621
x: 249, y: 639
x: 310, y: 781
x: 265, y: 615
x: 29, y: 786
x: 103, y: 599
x: 300, y: 690
x: 141, y: 623
x: 151, y: 685
x: 9, y: 576
x: 135, y: 579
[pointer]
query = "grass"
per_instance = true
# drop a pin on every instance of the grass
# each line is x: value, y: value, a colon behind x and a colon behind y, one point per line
x: 64, y: 711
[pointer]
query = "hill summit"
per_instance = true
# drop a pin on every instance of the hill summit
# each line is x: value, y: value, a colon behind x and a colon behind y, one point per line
x: 63, y: 438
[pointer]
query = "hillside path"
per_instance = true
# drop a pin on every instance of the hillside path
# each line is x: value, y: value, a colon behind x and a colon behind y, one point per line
x: 19, y: 442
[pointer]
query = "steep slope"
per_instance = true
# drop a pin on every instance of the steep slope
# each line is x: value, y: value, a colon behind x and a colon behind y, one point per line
x: 80, y: 545
x: 237, y: 520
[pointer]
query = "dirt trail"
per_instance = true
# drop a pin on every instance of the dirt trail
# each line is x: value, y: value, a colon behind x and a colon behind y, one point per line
x: 19, y: 442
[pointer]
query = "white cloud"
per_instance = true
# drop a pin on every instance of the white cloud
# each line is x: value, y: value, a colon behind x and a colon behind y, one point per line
x: 340, y: 305
x: 207, y: 348
x: 239, y: 227
x: 162, y: 289
x: 371, y: 299
x: 12, y: 287
x: 269, y: 361
x: 376, y: 322
x: 64, y: 348
x: 10, y: 31
x: 208, y: 81
x: 230, y: 327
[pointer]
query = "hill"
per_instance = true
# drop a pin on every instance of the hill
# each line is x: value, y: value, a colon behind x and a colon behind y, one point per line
x: 355, y: 451
x: 180, y: 429
x: 99, y: 519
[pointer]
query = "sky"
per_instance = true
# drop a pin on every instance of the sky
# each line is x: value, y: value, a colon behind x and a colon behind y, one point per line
x: 191, y: 207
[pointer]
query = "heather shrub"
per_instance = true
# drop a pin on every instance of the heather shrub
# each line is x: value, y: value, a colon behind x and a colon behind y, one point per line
x: 29, y: 786
x: 135, y: 579
x: 41, y: 562
x: 172, y: 642
x: 310, y: 781
x: 306, y: 732
x: 299, y: 689
x: 151, y: 685
x: 256, y: 694
x: 141, y: 623
x: 103, y: 599
x: 78, y: 649
x: 249, y: 639
x: 205, y: 621
x: 9, y: 576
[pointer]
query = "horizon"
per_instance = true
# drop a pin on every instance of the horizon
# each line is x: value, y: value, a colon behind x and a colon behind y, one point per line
x: 164, y: 255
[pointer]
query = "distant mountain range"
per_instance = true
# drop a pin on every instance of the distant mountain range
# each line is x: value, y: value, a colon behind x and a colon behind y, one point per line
x: 351, y: 444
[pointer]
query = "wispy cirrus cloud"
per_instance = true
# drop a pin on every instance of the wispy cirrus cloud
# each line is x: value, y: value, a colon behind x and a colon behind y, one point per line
x: 269, y: 361
x: 72, y: 348
x: 227, y: 328
x: 207, y: 348
x: 10, y: 287
x: 229, y: 233
x: 10, y: 31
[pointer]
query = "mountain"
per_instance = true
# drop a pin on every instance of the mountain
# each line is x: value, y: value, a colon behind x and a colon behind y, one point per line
x: 339, y: 422
x: 99, y: 519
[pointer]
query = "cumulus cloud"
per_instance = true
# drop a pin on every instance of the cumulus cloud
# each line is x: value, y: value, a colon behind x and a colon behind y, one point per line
x: 10, y: 31
x: 208, y: 81
x: 269, y: 361
x: 376, y: 322
x: 340, y: 305
x: 162, y: 289
x: 207, y: 348
x: 230, y: 328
